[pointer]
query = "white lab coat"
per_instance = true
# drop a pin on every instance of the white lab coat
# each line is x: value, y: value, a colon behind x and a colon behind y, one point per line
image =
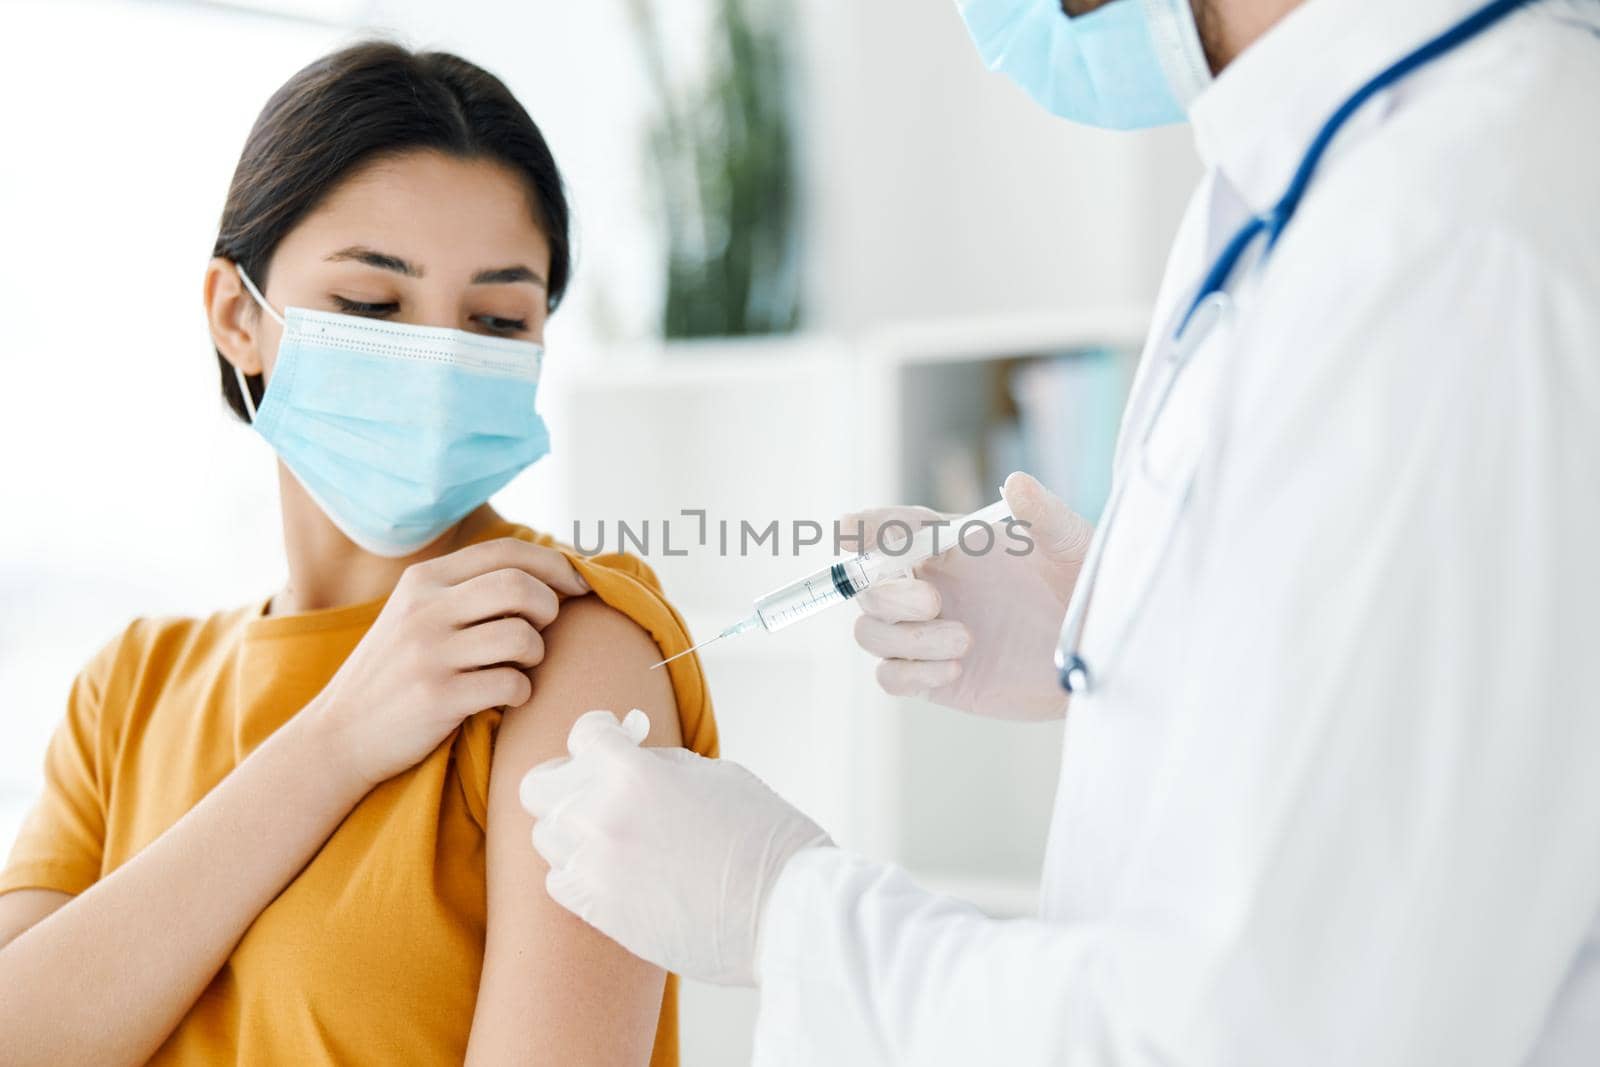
x: 1337, y: 798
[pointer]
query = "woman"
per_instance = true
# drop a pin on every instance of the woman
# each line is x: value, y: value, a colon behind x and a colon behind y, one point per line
x: 289, y: 832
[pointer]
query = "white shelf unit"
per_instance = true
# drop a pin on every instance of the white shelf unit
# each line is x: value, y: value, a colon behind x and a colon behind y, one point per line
x: 963, y: 803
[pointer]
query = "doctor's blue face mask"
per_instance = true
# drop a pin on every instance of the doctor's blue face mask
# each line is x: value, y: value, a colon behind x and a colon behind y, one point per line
x: 397, y: 431
x: 1125, y: 65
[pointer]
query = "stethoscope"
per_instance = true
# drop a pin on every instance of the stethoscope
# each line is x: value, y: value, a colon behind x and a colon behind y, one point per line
x: 1210, y: 306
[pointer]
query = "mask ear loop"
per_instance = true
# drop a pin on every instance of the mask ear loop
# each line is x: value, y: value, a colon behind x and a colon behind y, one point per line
x: 244, y: 385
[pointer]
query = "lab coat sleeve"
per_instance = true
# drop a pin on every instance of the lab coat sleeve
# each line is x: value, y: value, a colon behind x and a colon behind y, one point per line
x: 1375, y: 834
x: 858, y: 965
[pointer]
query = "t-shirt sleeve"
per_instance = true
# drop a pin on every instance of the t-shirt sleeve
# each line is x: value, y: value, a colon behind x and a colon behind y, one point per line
x: 62, y: 840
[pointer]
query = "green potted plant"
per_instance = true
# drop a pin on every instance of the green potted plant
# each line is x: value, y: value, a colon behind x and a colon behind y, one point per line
x: 723, y: 155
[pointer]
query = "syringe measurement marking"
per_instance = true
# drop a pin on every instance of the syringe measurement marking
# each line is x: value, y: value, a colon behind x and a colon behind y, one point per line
x: 813, y: 599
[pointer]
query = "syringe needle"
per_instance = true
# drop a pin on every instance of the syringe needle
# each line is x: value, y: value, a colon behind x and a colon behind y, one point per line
x: 737, y: 628
x: 685, y: 652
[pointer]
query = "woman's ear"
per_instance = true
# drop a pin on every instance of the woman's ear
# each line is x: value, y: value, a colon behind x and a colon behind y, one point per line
x: 235, y: 326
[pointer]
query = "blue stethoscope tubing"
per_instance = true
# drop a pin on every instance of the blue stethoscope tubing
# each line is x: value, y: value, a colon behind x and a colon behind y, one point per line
x: 1071, y: 669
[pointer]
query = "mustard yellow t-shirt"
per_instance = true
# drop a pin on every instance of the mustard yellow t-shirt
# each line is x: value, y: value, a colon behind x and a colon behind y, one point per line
x: 373, y: 953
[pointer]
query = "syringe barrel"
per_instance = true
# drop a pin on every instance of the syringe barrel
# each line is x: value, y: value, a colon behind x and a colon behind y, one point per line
x: 812, y: 594
x: 843, y: 580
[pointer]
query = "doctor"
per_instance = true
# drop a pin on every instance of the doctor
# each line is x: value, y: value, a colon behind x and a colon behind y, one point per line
x: 1330, y: 790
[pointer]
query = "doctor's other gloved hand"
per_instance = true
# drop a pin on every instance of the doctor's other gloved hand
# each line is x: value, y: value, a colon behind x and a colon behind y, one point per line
x: 457, y: 636
x: 668, y: 853
x: 977, y: 630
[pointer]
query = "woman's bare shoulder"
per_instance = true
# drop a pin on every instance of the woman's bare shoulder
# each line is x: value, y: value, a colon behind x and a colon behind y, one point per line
x: 596, y: 656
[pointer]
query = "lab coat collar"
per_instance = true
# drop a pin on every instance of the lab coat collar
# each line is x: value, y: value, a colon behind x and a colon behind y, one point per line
x: 1256, y: 119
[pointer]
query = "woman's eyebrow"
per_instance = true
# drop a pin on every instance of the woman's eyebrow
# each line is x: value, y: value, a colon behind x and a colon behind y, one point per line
x: 504, y: 275
x: 381, y: 260
x: 384, y: 261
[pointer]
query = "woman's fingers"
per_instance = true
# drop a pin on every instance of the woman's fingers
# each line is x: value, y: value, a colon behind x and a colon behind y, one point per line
x: 941, y: 639
x: 500, y: 593
x: 546, y: 564
x: 492, y: 687
x: 511, y: 641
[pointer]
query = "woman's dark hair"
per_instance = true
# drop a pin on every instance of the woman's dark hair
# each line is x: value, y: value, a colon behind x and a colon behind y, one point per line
x: 373, y: 100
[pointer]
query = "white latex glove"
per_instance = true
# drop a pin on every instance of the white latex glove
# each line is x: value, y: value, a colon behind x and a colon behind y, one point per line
x: 978, y: 632
x: 668, y: 853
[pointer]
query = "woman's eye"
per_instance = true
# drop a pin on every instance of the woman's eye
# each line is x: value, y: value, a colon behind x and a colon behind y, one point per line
x: 499, y: 325
x: 361, y: 307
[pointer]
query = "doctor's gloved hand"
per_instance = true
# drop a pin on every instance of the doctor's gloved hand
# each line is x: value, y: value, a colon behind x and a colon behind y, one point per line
x: 668, y: 853
x: 977, y: 631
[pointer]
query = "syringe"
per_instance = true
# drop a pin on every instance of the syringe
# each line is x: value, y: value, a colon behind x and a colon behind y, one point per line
x: 841, y: 581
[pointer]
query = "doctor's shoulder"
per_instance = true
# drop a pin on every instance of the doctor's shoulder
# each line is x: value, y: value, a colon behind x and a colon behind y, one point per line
x: 1464, y: 204
x: 1485, y: 152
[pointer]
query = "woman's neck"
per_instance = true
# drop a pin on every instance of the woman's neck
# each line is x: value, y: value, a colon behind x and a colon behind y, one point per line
x: 327, y: 570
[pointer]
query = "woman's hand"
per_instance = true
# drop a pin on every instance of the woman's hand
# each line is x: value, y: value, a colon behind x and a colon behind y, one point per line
x: 456, y: 637
x: 82, y: 982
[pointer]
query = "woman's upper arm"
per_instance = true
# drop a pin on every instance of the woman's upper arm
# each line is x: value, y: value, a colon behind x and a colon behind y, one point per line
x: 60, y: 845
x: 553, y: 988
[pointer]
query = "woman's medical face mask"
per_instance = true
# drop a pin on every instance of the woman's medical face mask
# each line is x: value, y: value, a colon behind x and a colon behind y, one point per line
x: 1126, y: 65
x: 397, y: 431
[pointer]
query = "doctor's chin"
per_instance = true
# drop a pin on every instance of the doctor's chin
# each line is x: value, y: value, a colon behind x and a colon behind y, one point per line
x: 921, y: 533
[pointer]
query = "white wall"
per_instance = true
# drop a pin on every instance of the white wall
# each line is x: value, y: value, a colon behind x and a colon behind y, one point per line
x: 126, y: 490
x: 941, y: 190
x: 932, y: 186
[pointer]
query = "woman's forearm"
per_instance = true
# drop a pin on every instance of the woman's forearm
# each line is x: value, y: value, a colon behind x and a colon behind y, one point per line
x: 108, y: 976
